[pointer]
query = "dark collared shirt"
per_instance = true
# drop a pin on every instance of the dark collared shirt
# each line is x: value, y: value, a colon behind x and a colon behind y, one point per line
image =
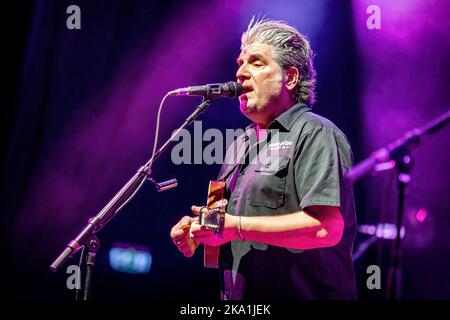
x: 300, y: 163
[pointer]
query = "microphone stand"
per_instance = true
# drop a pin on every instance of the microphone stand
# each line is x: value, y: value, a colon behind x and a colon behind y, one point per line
x: 404, y: 166
x: 397, y: 154
x: 87, y: 237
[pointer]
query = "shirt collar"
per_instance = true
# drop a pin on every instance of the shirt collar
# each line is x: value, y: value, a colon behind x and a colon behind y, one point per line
x: 288, y: 118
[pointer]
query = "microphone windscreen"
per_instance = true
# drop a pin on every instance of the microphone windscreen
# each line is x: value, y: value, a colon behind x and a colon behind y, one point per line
x: 235, y: 89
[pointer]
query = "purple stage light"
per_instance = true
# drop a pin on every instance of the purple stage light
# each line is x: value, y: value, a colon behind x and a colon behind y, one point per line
x: 421, y: 215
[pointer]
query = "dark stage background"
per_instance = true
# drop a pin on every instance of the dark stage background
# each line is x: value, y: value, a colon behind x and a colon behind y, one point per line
x: 79, y: 115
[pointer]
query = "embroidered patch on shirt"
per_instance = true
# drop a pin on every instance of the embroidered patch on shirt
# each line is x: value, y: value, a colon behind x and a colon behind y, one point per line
x: 279, y: 145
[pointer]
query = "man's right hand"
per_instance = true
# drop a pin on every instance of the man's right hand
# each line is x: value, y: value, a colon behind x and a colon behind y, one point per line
x: 180, y: 234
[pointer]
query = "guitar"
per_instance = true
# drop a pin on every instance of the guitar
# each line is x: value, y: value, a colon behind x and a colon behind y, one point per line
x: 212, y: 216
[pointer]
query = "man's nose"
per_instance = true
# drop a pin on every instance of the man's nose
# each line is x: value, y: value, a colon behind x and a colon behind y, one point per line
x: 242, y: 73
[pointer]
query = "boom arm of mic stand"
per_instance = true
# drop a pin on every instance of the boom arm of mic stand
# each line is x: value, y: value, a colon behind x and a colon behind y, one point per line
x: 397, y: 148
x: 97, y: 222
x: 120, y: 199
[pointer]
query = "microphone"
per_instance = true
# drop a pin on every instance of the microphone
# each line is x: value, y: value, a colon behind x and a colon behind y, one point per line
x: 211, y: 91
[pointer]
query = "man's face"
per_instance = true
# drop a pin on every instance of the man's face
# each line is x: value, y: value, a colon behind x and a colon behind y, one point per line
x: 262, y: 79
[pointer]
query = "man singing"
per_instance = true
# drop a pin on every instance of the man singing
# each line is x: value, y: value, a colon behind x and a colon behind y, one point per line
x: 290, y: 221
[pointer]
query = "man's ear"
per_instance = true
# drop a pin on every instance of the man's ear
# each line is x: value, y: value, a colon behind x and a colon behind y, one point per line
x: 291, y: 76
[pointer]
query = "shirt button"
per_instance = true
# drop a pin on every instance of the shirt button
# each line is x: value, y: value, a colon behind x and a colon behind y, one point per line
x: 234, y: 201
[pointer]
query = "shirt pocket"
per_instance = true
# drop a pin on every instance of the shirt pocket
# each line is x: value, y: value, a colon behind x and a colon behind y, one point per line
x: 270, y: 183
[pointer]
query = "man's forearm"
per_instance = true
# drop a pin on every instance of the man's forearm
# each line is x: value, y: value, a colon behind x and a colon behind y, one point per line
x: 299, y: 230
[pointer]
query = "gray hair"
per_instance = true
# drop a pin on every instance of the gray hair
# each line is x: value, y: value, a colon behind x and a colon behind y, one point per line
x: 290, y: 49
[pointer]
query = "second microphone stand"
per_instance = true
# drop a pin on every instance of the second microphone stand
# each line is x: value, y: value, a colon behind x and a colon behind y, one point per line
x: 399, y: 153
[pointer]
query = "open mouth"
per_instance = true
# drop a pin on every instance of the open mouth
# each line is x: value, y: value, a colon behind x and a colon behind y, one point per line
x: 247, y: 89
